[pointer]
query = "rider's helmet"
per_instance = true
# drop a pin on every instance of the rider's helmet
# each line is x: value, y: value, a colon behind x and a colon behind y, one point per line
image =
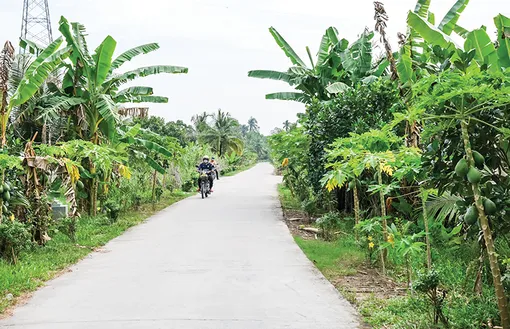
x: 205, y: 158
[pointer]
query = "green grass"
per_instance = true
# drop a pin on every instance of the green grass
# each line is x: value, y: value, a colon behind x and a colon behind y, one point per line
x: 43, y: 263
x: 333, y: 259
x: 287, y: 199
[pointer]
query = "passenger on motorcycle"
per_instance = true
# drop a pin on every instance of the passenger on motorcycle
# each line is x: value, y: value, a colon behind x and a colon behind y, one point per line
x: 206, y: 165
x: 215, y: 164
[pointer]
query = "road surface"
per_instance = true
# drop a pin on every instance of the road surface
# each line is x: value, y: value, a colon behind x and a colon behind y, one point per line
x: 227, y: 262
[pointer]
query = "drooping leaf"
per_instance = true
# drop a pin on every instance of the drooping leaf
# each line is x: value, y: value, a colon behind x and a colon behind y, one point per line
x: 450, y: 20
x: 132, y: 53
x: 143, y: 72
x: 337, y: 88
x: 136, y: 90
x: 289, y: 96
x: 287, y: 49
x: 267, y: 74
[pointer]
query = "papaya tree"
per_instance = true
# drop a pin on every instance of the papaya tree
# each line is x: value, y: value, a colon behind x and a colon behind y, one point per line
x: 460, y: 102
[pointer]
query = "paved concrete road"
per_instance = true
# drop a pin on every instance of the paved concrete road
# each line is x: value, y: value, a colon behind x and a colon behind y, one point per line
x: 227, y: 262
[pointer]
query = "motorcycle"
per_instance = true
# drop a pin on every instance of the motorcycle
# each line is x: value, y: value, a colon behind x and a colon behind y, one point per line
x: 205, y: 188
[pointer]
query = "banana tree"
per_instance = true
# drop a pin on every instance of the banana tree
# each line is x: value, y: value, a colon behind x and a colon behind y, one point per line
x: 92, y: 84
x: 36, y: 74
x: 336, y: 67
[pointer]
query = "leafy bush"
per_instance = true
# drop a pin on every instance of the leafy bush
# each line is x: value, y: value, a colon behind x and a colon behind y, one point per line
x: 328, y: 224
x: 14, y: 238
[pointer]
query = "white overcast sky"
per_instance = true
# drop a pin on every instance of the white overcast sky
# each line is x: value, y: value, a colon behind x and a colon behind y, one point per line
x: 221, y: 40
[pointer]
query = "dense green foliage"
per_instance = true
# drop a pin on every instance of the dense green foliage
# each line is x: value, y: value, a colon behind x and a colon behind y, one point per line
x: 418, y: 154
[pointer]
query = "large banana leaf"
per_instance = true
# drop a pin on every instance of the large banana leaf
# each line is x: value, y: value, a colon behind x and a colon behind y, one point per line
x: 106, y: 107
x: 485, y: 50
x: 103, y: 58
x: 143, y: 72
x: 130, y: 98
x: 405, y: 64
x: 422, y: 8
x: 461, y: 31
x: 503, y: 26
x: 289, y: 96
x: 136, y: 90
x: 429, y: 32
x: 76, y: 39
x: 337, y: 88
x: 267, y: 74
x: 358, y: 59
x: 287, y: 49
x: 150, y: 161
x: 32, y: 82
x: 131, y: 53
x: 155, y: 147
x: 323, y: 49
x: 47, y: 52
x: 449, y: 22
x: 332, y: 34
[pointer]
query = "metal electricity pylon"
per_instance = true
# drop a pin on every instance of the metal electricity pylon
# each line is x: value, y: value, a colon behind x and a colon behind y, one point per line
x: 36, y: 23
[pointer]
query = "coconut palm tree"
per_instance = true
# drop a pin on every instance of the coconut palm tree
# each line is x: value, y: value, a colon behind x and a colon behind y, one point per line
x: 253, y: 124
x: 223, y: 134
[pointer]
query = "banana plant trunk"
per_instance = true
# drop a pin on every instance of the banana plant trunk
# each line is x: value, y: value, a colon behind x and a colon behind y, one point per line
x: 487, y: 234
x: 384, y: 254
x: 426, y: 224
x: 93, y: 191
x: 154, y: 177
x: 2, y: 178
x: 356, y: 208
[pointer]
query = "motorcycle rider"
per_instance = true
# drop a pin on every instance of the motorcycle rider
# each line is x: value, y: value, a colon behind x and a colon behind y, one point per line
x: 206, y: 165
x: 215, y: 164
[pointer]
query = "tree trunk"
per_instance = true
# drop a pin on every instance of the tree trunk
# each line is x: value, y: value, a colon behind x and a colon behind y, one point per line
x: 356, y: 208
x: 154, y: 177
x: 93, y: 191
x: 44, y: 134
x: 426, y: 224
x: 383, y: 217
x: 1, y: 200
x: 487, y: 234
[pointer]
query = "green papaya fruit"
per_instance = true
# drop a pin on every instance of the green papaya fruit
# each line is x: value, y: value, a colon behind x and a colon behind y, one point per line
x: 474, y: 176
x: 1, y: 189
x: 489, y: 206
x: 462, y: 168
x: 6, y: 196
x: 479, y: 159
x: 4, y: 208
x: 471, y: 215
x: 80, y: 185
x: 7, y: 187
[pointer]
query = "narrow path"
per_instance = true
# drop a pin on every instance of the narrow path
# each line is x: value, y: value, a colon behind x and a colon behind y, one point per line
x: 227, y: 262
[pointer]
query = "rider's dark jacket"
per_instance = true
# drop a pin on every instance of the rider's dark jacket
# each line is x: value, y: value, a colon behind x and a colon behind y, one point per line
x: 205, y: 166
